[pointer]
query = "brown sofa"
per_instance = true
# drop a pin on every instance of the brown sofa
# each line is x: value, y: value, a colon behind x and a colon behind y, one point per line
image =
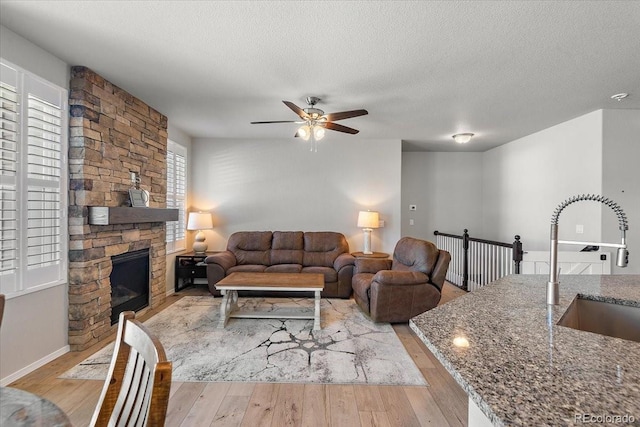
x: 325, y: 253
x: 399, y: 289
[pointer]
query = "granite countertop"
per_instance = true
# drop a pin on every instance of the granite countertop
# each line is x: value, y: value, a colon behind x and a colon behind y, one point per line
x: 520, y: 368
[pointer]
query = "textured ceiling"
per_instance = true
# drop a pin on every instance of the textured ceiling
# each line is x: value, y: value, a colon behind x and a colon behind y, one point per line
x: 424, y: 70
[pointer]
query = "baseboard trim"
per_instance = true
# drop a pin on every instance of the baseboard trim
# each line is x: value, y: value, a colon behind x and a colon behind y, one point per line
x: 35, y: 365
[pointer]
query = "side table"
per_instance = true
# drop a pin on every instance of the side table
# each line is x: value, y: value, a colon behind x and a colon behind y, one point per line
x: 373, y: 255
x: 189, y: 267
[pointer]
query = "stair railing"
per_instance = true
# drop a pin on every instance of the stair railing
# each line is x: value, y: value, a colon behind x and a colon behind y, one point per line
x: 476, y: 262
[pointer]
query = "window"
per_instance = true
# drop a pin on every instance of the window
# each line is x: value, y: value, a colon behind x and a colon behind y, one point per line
x: 177, y: 196
x: 33, y: 182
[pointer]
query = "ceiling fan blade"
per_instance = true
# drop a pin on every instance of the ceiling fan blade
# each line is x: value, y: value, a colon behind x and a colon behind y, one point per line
x: 299, y: 111
x: 274, y: 121
x: 339, y: 128
x: 332, y: 117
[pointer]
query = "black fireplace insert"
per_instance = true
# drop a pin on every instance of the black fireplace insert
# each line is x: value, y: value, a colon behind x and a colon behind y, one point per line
x: 129, y: 282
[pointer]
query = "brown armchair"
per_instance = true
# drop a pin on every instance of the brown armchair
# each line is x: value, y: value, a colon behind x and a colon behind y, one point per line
x: 396, y: 290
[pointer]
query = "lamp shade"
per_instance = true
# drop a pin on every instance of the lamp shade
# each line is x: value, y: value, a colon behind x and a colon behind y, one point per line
x: 368, y: 219
x: 199, y: 221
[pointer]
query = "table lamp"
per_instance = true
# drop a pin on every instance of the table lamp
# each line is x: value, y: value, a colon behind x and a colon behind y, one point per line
x: 199, y: 221
x: 368, y: 220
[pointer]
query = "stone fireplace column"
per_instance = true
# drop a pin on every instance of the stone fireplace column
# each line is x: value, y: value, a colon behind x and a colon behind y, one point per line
x: 111, y: 134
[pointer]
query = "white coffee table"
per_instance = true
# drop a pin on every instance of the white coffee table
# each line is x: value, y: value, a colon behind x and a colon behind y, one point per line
x: 273, y: 282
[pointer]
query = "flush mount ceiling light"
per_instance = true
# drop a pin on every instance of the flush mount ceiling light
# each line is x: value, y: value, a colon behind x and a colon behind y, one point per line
x: 462, y: 138
x: 619, y: 96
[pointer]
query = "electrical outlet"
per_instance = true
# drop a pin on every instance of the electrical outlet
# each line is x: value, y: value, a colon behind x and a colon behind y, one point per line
x: 579, y: 229
x: 411, y: 222
x: 413, y: 208
x: 381, y: 223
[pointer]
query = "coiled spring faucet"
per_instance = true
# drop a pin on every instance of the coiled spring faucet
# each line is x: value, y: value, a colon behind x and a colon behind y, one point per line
x: 622, y: 258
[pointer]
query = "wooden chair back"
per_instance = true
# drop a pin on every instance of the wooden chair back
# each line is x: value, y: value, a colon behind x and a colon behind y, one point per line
x: 136, y: 390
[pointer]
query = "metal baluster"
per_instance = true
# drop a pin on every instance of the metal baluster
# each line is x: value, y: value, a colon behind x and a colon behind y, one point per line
x: 483, y: 264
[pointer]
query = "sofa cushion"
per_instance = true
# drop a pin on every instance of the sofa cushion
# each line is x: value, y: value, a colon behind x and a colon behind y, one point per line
x: 321, y: 248
x: 287, y: 247
x: 284, y: 268
x: 251, y: 247
x: 247, y: 268
x: 330, y: 275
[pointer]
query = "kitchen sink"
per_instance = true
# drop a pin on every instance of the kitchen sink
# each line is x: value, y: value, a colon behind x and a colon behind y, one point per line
x: 614, y: 320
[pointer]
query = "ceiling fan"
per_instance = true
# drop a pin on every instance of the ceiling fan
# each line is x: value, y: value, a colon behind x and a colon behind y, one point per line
x: 315, y: 121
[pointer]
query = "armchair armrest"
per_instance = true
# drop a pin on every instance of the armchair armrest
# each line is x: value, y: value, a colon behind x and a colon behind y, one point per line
x: 343, y: 260
x: 372, y: 265
x: 439, y: 272
x: 391, y: 277
x: 225, y: 260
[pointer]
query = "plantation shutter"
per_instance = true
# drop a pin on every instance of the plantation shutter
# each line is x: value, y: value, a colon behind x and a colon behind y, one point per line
x: 171, y: 183
x: 44, y: 172
x: 33, y: 182
x: 176, y: 195
x: 8, y: 179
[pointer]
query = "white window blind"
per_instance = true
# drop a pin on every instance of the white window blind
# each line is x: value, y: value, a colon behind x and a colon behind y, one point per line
x: 176, y: 196
x: 8, y: 178
x: 34, y: 182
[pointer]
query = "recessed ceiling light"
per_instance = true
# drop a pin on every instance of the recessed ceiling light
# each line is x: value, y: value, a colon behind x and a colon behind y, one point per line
x: 619, y: 96
x: 462, y: 138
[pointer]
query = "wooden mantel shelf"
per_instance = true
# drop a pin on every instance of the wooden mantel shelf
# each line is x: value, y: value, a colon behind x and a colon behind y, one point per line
x: 104, y: 215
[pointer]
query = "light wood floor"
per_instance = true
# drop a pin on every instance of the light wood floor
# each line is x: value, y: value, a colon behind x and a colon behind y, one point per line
x: 442, y: 403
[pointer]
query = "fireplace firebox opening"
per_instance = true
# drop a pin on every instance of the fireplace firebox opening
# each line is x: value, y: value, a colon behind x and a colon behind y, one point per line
x: 129, y: 282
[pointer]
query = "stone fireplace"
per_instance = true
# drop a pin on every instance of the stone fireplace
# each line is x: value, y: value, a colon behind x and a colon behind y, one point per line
x: 111, y: 134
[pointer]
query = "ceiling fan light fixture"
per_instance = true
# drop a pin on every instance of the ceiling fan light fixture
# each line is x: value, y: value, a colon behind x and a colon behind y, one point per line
x: 462, y: 138
x: 304, y: 132
x: 314, y: 122
x: 318, y: 133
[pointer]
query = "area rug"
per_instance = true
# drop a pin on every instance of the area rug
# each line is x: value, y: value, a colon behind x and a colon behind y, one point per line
x: 350, y: 348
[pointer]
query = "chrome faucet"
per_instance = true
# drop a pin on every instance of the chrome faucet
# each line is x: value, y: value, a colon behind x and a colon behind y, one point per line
x: 622, y: 259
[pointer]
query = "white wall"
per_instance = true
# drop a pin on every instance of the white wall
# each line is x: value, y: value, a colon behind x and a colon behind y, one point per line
x: 621, y: 180
x: 447, y: 190
x: 27, y: 55
x: 35, y: 326
x: 281, y: 185
x: 179, y: 137
x: 524, y: 181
